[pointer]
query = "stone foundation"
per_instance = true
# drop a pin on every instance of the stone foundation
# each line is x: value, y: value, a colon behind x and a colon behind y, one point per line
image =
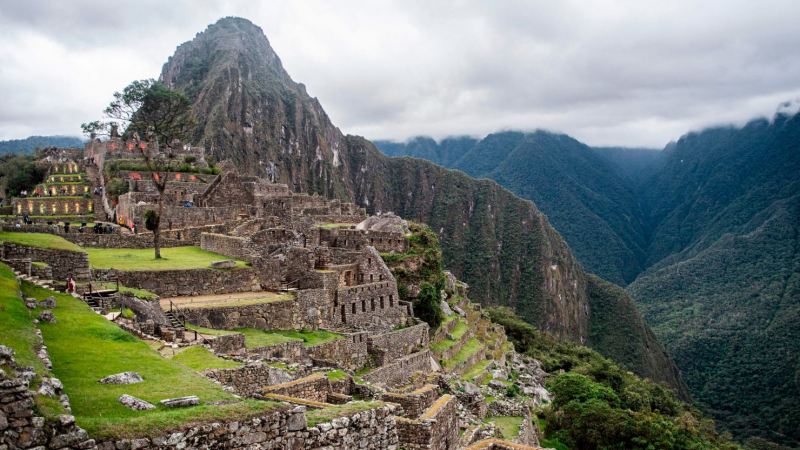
x: 414, y: 403
x: 401, y: 370
x: 173, y: 283
x: 63, y: 263
x: 436, y: 429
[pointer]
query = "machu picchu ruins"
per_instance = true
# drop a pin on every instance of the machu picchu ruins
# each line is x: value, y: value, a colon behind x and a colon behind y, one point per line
x: 280, y: 303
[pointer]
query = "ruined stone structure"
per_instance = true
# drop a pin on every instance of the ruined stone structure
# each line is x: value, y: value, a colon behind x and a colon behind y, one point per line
x: 65, y: 191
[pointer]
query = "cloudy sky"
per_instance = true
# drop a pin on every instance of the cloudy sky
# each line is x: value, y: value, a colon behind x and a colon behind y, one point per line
x: 634, y: 73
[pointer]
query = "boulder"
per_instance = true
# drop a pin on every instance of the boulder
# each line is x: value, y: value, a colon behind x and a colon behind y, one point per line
x: 123, y: 378
x: 135, y: 403
x: 224, y: 264
x: 30, y: 303
x: 180, y: 402
x: 446, y: 308
x: 47, y: 316
x: 49, y: 302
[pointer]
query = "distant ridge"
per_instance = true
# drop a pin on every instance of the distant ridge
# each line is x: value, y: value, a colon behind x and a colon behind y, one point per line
x: 31, y: 143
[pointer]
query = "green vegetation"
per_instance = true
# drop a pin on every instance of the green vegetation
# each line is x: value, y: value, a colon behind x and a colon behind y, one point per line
x: 420, y: 265
x: 254, y: 338
x: 199, y: 358
x: 332, y: 226
x: 19, y: 173
x: 597, y: 404
x: 709, y: 225
x: 469, y: 349
x: 173, y: 258
x: 337, y: 375
x: 139, y: 166
x: 16, y: 320
x: 508, y: 425
x: 84, y: 347
x: 41, y: 240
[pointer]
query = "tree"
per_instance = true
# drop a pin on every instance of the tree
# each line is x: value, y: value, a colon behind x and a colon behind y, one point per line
x: 148, y: 111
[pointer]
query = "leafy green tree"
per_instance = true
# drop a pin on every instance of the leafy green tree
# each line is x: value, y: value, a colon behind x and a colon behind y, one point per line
x: 149, y: 111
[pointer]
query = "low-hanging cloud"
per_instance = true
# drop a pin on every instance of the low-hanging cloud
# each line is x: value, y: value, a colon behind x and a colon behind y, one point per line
x: 634, y: 73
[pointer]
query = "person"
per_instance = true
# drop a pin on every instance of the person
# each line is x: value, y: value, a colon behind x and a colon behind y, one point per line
x: 66, y: 227
x: 70, y: 285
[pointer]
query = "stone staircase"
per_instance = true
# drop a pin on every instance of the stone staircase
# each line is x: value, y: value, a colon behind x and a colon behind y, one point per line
x: 174, y: 320
x: 47, y: 284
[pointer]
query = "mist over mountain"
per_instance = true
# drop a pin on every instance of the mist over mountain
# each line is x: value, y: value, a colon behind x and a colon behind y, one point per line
x: 706, y: 232
x: 250, y: 111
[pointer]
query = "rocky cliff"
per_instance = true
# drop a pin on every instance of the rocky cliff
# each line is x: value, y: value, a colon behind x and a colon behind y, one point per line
x: 250, y: 111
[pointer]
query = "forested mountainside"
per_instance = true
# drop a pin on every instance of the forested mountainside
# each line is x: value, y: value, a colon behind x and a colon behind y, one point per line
x: 250, y: 111
x: 716, y: 217
x: 724, y: 292
x: 588, y: 200
x: 31, y: 143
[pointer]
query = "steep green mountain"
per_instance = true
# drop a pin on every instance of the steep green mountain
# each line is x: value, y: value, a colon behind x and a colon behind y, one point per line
x: 250, y: 111
x: 716, y: 240
x: 444, y: 153
x: 31, y: 143
x: 725, y: 292
x: 590, y: 202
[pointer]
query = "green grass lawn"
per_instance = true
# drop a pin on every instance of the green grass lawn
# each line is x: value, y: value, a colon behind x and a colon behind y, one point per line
x: 16, y: 326
x: 457, y: 332
x: 139, y: 293
x: 84, y: 348
x: 331, y: 226
x: 41, y: 240
x: 337, y: 375
x: 254, y: 338
x: 173, y: 258
x: 478, y: 369
x: 509, y: 425
x: 470, y: 348
x: 200, y: 358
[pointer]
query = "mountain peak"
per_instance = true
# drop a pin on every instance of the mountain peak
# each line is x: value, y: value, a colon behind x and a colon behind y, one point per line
x: 229, y: 42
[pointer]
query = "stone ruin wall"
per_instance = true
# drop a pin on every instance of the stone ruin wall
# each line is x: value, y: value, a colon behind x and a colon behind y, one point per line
x: 349, y: 352
x: 250, y: 379
x: 387, y: 347
x: 436, y: 429
x: 279, y: 315
x: 416, y: 402
x: 398, y: 372
x: 314, y: 387
x: 228, y: 344
x: 54, y: 206
x: 369, y: 305
x: 230, y: 246
x: 63, y: 263
x: 173, y: 283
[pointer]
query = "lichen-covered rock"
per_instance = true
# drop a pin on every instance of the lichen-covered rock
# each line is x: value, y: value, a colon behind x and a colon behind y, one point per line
x: 47, y: 316
x: 123, y: 378
x: 135, y: 403
x: 49, y: 302
x: 180, y: 402
x: 30, y: 303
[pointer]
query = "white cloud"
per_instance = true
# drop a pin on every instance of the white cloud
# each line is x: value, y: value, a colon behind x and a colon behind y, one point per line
x: 637, y: 73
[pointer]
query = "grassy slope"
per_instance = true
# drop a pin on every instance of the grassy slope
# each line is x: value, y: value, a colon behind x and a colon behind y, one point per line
x: 255, y: 338
x: 142, y: 259
x: 84, y: 348
x: 17, y: 329
x: 42, y: 240
x: 200, y: 358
